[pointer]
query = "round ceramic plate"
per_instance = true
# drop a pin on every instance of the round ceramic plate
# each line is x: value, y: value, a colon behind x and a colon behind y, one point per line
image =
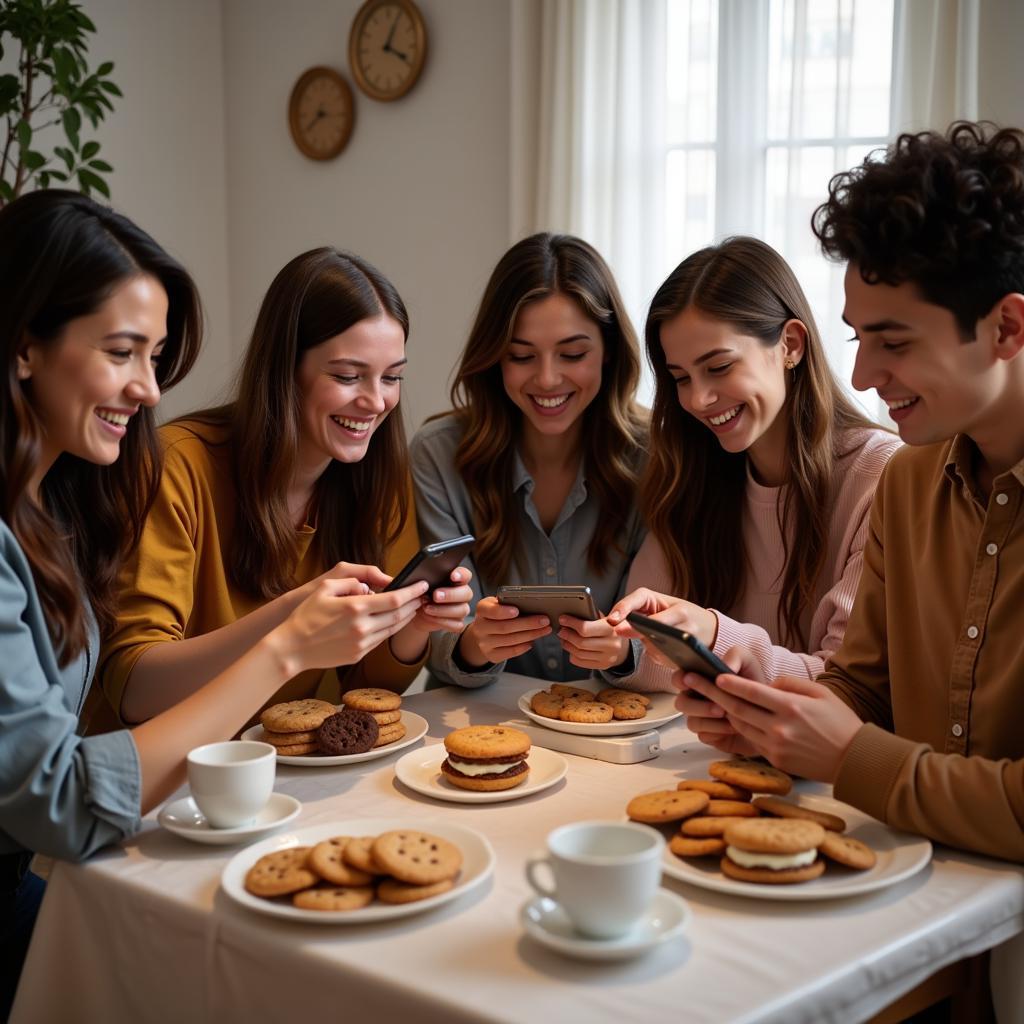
x: 662, y: 710
x: 415, y: 729
x: 900, y: 855
x: 421, y: 770
x: 183, y: 818
x: 477, y: 866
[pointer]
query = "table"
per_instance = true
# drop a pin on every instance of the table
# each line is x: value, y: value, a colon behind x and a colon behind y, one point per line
x: 142, y: 932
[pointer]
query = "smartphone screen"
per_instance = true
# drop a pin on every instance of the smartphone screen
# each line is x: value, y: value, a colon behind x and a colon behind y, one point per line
x: 434, y: 563
x: 684, y: 649
x: 551, y: 600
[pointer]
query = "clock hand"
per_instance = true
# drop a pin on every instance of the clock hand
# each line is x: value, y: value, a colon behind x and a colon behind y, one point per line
x: 320, y: 113
x: 391, y: 34
x: 399, y: 54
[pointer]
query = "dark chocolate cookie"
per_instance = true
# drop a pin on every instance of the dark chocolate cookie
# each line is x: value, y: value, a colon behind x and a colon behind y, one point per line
x: 348, y: 732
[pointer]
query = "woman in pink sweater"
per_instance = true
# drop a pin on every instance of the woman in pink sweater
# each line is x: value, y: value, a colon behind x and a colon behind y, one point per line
x: 760, y: 476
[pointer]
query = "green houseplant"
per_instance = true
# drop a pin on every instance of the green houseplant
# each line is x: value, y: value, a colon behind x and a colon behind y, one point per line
x: 51, y: 86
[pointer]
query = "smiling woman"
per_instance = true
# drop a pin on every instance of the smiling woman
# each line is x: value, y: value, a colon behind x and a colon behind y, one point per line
x: 302, y: 478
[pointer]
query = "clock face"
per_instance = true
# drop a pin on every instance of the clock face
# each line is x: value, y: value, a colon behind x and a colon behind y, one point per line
x: 387, y: 48
x: 321, y: 113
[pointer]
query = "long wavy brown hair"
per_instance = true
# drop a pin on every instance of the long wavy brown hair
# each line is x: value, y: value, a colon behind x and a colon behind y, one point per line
x: 692, y: 493
x: 360, y: 507
x: 613, y: 427
x: 61, y: 257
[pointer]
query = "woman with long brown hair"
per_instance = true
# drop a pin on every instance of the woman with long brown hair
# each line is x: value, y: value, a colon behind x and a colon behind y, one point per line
x: 302, y: 477
x: 761, y: 471
x: 95, y: 319
x: 537, y: 459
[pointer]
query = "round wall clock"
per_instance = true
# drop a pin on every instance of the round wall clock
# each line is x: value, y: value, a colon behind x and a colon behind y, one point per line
x: 321, y: 113
x: 387, y: 47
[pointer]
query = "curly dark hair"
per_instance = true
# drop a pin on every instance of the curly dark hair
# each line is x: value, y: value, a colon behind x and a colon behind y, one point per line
x: 945, y: 212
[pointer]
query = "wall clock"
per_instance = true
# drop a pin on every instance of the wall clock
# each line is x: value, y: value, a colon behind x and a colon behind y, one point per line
x: 321, y: 113
x: 387, y: 47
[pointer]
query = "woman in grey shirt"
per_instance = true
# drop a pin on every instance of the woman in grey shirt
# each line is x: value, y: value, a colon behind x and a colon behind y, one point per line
x: 95, y: 318
x: 539, y: 459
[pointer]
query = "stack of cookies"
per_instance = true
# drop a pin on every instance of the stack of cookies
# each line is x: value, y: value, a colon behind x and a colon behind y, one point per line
x: 292, y: 726
x: 716, y: 819
x: 348, y: 873
x: 575, y: 704
x: 383, y: 706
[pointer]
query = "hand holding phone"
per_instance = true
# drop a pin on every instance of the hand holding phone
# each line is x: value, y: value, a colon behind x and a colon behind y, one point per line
x: 551, y: 600
x: 684, y: 650
x: 434, y: 563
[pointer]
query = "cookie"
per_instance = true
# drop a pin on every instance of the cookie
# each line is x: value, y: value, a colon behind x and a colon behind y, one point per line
x: 298, y: 749
x: 700, y: 827
x: 280, y: 873
x: 545, y: 704
x: 334, y: 897
x: 715, y: 789
x: 327, y: 859
x: 358, y: 853
x: 775, y: 835
x: 417, y: 857
x: 752, y: 775
x: 288, y: 739
x: 296, y: 715
x: 669, y: 805
x: 773, y: 851
x: 575, y: 692
x: 771, y: 876
x: 390, y: 734
x: 347, y: 732
x: 730, y: 809
x: 684, y: 846
x: 386, y: 717
x: 611, y: 695
x: 586, y: 713
x: 849, y: 852
x: 476, y: 741
x: 393, y: 891
x: 628, y: 710
x: 486, y: 758
x: 786, y: 809
x: 371, y: 698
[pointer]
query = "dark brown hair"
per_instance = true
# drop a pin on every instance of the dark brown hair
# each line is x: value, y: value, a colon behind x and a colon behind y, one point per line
x: 692, y: 494
x: 61, y: 257
x: 316, y: 296
x: 613, y: 431
x: 945, y: 212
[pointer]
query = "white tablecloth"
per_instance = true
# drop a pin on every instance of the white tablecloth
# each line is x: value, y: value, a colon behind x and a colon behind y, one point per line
x: 142, y: 933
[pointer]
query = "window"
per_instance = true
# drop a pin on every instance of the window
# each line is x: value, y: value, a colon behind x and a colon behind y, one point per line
x: 765, y: 101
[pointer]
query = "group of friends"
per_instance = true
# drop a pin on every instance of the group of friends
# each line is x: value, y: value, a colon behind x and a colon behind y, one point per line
x: 867, y: 594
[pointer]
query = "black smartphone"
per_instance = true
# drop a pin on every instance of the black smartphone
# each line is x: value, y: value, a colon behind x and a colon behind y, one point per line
x: 433, y: 563
x: 551, y: 600
x: 684, y: 649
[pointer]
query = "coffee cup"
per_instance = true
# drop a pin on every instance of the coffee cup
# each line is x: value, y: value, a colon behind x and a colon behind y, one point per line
x: 231, y: 782
x: 605, y: 874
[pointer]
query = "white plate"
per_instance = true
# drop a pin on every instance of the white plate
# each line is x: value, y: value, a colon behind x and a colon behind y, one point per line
x: 546, y: 922
x: 415, y: 729
x: 477, y: 866
x: 661, y: 710
x: 183, y: 818
x: 900, y: 855
x: 421, y: 770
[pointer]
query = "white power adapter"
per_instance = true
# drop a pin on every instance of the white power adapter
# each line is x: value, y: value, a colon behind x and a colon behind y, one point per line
x: 639, y: 746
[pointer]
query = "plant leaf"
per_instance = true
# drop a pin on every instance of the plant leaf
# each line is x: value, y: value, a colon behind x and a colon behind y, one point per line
x: 111, y: 88
x: 105, y: 68
x: 24, y: 133
x: 101, y: 165
x: 32, y: 160
x: 72, y: 122
x: 89, y: 150
x: 89, y: 180
x: 6, y: 192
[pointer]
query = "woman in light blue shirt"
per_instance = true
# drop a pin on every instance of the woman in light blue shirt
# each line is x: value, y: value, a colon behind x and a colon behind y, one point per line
x: 95, y: 319
x: 539, y: 460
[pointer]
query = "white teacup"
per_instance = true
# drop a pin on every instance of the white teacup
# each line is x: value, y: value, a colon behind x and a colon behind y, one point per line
x: 231, y: 782
x: 606, y: 874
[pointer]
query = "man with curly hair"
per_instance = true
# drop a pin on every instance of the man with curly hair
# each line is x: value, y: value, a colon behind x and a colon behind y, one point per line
x: 916, y: 720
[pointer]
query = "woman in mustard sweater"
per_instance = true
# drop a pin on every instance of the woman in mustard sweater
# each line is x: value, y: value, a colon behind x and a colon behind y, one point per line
x: 302, y: 477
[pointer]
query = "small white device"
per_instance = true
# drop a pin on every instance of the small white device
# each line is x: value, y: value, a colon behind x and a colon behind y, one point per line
x: 640, y: 746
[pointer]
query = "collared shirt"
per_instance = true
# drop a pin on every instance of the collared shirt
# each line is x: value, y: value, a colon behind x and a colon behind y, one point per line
x: 60, y: 794
x: 444, y: 510
x: 933, y: 658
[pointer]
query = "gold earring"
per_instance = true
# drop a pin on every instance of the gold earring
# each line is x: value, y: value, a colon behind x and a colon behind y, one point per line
x: 789, y: 364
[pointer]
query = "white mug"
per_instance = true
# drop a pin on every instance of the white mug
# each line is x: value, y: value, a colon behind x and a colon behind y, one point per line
x: 231, y: 782
x: 606, y: 874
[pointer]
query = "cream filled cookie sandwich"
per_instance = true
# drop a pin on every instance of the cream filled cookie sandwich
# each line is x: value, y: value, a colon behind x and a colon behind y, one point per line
x: 486, y: 757
x: 773, y: 851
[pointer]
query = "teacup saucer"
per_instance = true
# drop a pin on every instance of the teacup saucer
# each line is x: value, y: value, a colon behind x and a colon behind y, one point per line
x: 545, y: 921
x: 183, y: 818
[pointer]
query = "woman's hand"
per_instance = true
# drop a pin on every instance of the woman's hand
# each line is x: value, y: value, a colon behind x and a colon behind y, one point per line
x: 672, y: 611
x: 592, y: 644
x: 498, y: 633
x: 369, y: 575
x: 446, y: 609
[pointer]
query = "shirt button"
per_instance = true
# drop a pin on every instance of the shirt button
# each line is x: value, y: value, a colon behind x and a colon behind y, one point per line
x: 991, y: 549
x: 1002, y: 499
x: 552, y: 663
x: 550, y: 570
x: 958, y: 729
x: 972, y: 632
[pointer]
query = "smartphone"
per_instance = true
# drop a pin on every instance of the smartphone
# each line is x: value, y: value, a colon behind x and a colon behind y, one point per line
x: 684, y: 649
x: 434, y: 563
x: 551, y: 600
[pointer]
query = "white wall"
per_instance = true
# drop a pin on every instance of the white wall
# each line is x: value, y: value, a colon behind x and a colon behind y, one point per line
x: 1001, y: 75
x: 421, y: 189
x: 165, y: 142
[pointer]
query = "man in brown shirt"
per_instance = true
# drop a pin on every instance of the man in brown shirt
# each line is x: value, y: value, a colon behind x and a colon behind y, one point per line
x: 917, y: 720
